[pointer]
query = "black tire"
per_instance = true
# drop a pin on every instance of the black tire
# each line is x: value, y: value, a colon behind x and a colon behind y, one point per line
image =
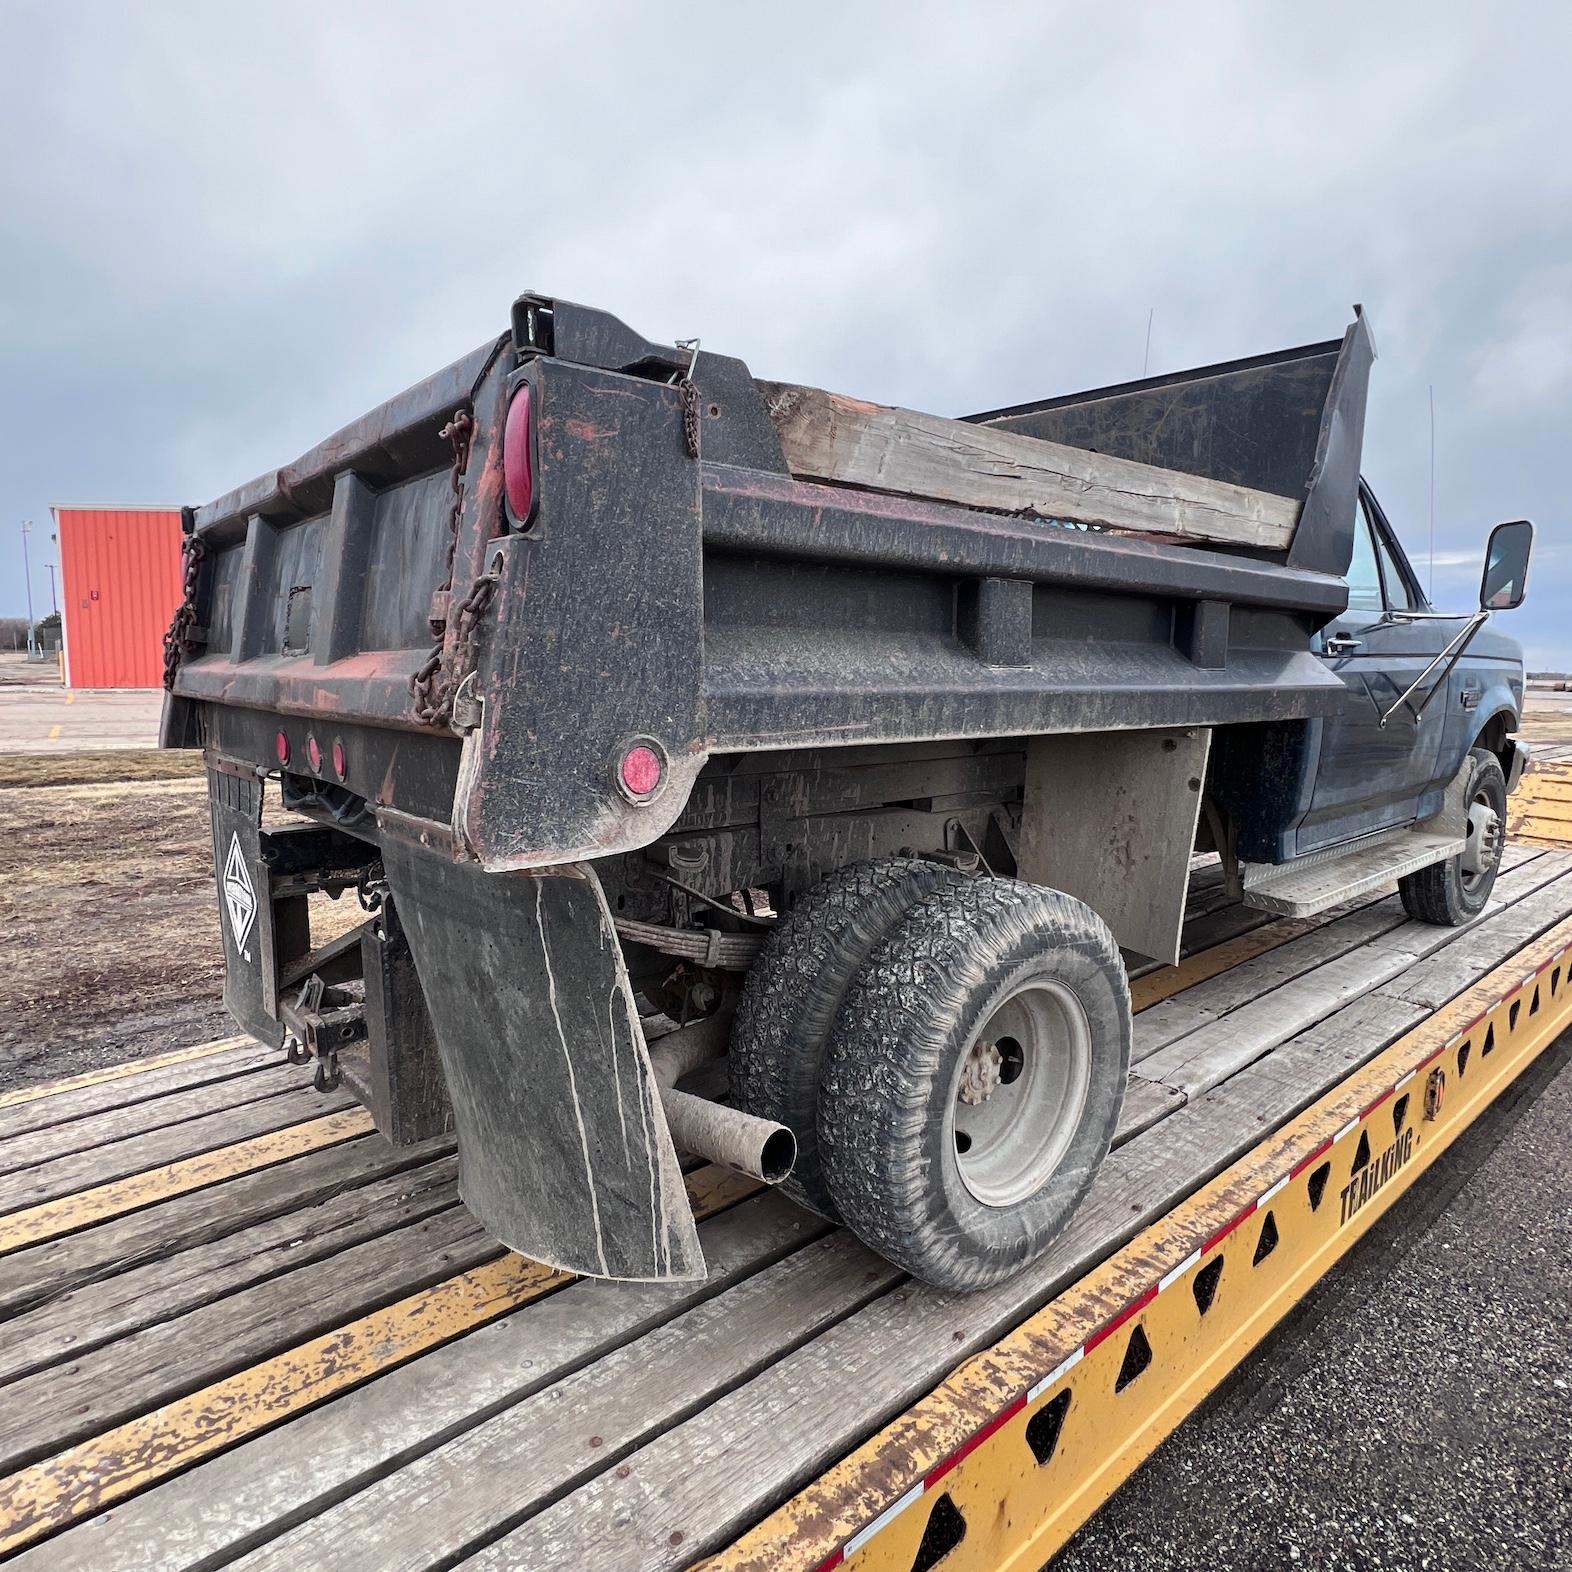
x: 1442, y: 893
x: 911, y: 1016
x: 794, y: 989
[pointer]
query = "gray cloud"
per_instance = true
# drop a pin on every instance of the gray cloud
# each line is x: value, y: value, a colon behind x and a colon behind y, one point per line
x: 224, y: 231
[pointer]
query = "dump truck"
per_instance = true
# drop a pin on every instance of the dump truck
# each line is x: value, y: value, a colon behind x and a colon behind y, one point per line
x: 735, y: 770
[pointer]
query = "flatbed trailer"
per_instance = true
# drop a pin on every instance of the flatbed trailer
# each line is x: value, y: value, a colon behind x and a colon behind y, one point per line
x: 241, y: 1329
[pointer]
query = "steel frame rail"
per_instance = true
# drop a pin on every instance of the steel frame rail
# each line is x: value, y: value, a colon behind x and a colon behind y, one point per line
x: 1014, y: 1451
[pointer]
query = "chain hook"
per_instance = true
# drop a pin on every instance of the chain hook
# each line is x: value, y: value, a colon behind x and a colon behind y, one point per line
x: 690, y: 396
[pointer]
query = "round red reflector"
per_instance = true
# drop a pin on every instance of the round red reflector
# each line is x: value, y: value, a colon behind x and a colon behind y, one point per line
x: 518, y: 465
x: 281, y: 747
x: 340, y: 761
x: 641, y: 770
x: 314, y: 752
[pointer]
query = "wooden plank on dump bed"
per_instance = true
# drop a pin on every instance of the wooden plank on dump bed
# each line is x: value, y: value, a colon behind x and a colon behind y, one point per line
x: 828, y: 437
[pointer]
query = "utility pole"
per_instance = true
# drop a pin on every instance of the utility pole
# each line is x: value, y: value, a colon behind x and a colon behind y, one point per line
x: 27, y: 574
x: 54, y: 599
x: 1432, y: 491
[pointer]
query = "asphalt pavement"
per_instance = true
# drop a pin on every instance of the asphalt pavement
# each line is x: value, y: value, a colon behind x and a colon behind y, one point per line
x: 1415, y: 1411
x: 38, y: 715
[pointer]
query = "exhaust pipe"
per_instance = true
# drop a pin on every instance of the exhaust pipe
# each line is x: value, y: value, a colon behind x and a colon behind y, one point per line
x: 759, y: 1148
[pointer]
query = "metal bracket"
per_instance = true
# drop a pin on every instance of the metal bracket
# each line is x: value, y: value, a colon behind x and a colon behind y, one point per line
x: 1454, y: 650
x: 326, y: 1021
x: 468, y: 708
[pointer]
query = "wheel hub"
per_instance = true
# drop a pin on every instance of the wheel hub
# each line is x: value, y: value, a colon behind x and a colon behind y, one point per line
x: 1483, y: 844
x: 981, y: 1074
x: 1019, y: 1091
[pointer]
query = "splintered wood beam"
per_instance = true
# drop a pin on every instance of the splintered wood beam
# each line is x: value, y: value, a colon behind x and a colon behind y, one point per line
x: 829, y: 437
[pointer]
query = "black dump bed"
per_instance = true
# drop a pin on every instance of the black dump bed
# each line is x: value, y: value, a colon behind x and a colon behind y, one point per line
x: 710, y: 565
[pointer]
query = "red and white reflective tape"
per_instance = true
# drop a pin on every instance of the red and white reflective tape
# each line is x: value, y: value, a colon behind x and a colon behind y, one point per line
x: 931, y: 1478
x: 1166, y: 1281
x: 1060, y: 1370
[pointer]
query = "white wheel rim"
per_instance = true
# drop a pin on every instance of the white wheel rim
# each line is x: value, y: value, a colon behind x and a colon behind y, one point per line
x: 1026, y: 1074
x: 1482, y: 849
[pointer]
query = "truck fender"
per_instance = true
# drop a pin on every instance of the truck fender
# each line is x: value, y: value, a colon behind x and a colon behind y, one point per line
x: 1499, y: 712
x: 564, y: 1151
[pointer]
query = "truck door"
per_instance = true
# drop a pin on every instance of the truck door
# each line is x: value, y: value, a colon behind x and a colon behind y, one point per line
x: 1370, y: 777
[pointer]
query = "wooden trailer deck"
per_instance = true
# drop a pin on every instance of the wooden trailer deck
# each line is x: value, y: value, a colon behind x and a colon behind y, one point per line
x: 240, y: 1329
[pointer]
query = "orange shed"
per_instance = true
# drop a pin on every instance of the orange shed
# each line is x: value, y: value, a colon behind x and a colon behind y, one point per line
x: 120, y: 584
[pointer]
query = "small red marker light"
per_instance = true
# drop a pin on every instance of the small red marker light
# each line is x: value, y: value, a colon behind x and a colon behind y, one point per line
x: 641, y: 771
x: 314, y: 753
x: 518, y: 463
x: 340, y: 761
x: 281, y: 748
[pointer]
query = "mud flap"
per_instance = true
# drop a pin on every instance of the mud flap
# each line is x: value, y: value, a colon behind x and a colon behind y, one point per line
x: 245, y: 912
x: 564, y: 1152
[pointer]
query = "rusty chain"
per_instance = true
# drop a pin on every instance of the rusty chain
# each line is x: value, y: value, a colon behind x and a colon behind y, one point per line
x: 177, y: 637
x: 432, y: 686
x: 690, y: 397
x: 690, y: 417
x: 459, y: 431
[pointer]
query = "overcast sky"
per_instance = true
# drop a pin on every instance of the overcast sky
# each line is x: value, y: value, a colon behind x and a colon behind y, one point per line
x: 226, y: 230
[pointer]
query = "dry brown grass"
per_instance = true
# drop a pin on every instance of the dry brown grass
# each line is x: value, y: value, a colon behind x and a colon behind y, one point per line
x: 79, y: 769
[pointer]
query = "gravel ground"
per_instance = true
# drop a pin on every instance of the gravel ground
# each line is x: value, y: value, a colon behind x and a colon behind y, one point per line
x: 109, y: 939
x: 1415, y: 1412
x: 108, y: 916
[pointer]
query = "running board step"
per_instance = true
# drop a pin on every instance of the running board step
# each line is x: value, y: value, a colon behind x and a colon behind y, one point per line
x: 1297, y: 889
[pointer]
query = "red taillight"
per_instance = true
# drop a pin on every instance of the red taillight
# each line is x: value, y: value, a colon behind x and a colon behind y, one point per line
x: 340, y: 760
x: 518, y: 464
x: 641, y: 771
x: 281, y: 748
x: 314, y: 753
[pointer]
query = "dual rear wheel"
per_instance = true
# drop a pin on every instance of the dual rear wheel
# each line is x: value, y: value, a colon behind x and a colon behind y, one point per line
x: 951, y: 1053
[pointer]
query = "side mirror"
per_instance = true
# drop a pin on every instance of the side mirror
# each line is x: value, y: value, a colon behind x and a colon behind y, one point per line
x: 1505, y: 580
